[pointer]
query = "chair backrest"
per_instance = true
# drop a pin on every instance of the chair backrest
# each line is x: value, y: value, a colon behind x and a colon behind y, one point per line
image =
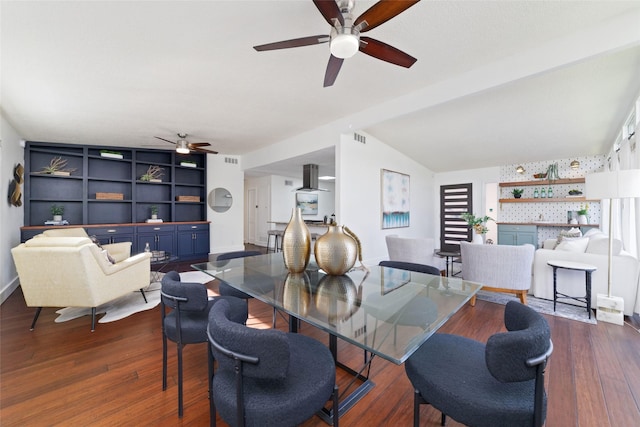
x: 66, y: 232
x: 183, y: 295
x: 419, y: 268
x: 498, y: 266
x: 237, y: 254
x: 269, y: 346
x: 410, y: 249
x: 528, y: 336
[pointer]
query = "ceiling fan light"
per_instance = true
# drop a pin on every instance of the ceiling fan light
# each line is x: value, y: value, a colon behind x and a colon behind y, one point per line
x: 344, y: 45
x: 182, y: 147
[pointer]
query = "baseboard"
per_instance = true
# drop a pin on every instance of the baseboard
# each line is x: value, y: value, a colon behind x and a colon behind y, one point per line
x: 8, y: 289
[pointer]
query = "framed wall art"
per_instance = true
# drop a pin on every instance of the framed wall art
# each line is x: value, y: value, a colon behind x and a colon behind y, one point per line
x: 395, y: 197
x: 308, y: 203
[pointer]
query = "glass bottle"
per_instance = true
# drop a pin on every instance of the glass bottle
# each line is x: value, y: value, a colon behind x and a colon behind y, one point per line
x: 543, y: 193
x: 146, y: 247
x: 536, y: 194
x: 550, y: 192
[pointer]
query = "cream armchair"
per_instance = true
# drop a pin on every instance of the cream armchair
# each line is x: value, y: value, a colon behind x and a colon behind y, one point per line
x: 74, y: 272
x: 499, y: 268
x: 119, y: 251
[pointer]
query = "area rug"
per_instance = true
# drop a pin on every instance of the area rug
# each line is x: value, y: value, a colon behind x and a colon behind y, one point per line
x: 128, y: 304
x: 544, y: 306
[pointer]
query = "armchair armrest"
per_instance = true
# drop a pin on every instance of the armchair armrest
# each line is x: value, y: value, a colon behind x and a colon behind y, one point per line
x: 119, y: 251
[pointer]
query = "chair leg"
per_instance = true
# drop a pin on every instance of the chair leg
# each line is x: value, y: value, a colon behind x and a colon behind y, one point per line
x: 35, y: 318
x: 416, y: 408
x: 164, y: 361
x: 443, y: 418
x: 93, y: 319
x: 143, y: 295
x: 523, y: 296
x: 212, y: 408
x: 472, y: 301
x: 180, y: 411
x: 336, y: 406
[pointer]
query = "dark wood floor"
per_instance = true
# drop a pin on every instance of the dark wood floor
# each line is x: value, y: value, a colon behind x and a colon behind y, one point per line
x: 62, y: 374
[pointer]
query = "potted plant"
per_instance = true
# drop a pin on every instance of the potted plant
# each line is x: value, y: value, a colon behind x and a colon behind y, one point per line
x: 583, y: 214
x: 153, y: 174
x: 478, y: 224
x: 57, y: 166
x: 517, y: 192
x: 154, y: 212
x: 57, y: 211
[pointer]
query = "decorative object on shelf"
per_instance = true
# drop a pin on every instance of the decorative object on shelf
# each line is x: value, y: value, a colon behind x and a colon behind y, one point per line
x: 575, y: 165
x: 153, y: 174
x: 111, y: 154
x: 612, y: 185
x: 574, y: 192
x: 583, y: 214
x: 57, y: 211
x: 296, y: 243
x: 552, y: 172
x: 543, y: 193
x: 109, y: 196
x: 541, y: 175
x: 520, y: 170
x: 478, y: 224
x: 549, y: 192
x: 15, y: 193
x: 57, y: 166
x: 154, y: 212
x: 395, y: 194
x: 336, y: 251
x: 517, y: 192
x: 536, y: 194
x: 188, y: 164
x: 188, y: 198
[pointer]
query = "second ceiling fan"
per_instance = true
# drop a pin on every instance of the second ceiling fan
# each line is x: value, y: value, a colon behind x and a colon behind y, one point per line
x: 345, y: 39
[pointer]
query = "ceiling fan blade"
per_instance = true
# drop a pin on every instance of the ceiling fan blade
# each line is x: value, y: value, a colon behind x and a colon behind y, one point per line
x: 329, y: 10
x: 202, y: 150
x: 198, y: 144
x: 286, y: 44
x: 381, y: 12
x: 172, y: 142
x: 333, y: 68
x: 385, y: 52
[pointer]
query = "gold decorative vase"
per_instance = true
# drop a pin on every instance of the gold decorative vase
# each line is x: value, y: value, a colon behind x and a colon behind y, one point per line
x: 337, y: 298
x: 336, y: 251
x: 296, y: 243
x: 297, y: 293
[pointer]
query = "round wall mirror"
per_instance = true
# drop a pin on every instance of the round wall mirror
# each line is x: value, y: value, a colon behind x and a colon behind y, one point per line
x: 220, y: 199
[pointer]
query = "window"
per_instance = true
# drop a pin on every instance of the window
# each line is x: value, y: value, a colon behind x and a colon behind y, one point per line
x: 454, y: 200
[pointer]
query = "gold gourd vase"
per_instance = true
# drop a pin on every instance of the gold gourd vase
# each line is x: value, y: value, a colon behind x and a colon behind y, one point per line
x: 336, y: 251
x: 296, y: 243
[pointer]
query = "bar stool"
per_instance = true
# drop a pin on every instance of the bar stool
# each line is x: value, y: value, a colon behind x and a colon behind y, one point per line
x: 277, y: 235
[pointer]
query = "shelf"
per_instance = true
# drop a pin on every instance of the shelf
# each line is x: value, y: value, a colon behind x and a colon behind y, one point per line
x: 542, y: 182
x: 548, y: 224
x: 548, y: 200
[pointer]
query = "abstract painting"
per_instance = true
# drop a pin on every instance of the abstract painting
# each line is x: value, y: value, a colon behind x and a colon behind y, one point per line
x: 395, y: 197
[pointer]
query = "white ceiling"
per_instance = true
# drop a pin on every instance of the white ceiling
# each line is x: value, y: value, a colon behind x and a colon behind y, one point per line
x: 496, y: 82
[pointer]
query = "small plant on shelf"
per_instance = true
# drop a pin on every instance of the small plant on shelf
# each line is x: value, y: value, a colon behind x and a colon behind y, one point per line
x: 584, y: 209
x: 153, y: 174
x: 154, y: 210
x: 57, y: 210
x: 57, y: 166
x: 517, y: 192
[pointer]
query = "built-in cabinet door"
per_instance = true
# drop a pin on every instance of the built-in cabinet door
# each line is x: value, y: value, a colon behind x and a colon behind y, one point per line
x: 193, y: 240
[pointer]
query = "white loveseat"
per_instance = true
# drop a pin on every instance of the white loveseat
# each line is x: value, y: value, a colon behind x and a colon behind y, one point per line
x: 590, y: 249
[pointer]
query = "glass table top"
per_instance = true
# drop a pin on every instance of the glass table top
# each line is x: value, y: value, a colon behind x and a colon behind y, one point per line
x: 386, y: 311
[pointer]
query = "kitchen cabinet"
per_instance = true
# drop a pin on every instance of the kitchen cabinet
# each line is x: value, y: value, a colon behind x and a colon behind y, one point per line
x: 517, y: 234
x: 193, y: 240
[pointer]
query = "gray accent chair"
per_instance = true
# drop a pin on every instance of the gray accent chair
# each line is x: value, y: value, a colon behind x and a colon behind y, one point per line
x: 497, y: 384
x: 188, y: 319
x: 266, y: 377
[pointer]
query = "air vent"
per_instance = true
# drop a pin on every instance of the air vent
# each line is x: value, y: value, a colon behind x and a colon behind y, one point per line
x: 360, y: 138
x: 231, y: 160
x: 288, y: 183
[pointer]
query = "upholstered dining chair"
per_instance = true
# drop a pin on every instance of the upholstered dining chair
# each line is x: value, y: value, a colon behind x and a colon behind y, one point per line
x: 187, y: 321
x: 227, y: 290
x: 497, y: 384
x: 266, y: 377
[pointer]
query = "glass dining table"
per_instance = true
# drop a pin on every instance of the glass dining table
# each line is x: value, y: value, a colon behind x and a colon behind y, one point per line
x: 385, y: 311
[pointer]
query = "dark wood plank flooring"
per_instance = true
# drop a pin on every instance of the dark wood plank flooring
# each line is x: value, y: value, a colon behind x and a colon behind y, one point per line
x: 62, y: 374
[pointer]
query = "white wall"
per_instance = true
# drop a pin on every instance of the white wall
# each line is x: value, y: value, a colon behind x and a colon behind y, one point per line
x: 479, y: 178
x: 11, y: 217
x: 226, y: 228
x: 358, y: 203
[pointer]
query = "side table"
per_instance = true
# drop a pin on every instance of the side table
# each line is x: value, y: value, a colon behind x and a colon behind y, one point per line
x: 449, y: 256
x: 576, y: 266
x: 159, y: 260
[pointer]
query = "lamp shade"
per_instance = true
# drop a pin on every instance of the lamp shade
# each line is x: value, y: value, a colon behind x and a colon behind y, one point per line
x: 613, y: 185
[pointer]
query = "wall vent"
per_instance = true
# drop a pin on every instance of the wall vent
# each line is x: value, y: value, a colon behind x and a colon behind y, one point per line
x: 288, y: 183
x: 231, y: 160
x: 360, y: 138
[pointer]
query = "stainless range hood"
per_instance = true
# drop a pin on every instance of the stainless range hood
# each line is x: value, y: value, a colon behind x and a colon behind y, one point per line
x: 310, y: 179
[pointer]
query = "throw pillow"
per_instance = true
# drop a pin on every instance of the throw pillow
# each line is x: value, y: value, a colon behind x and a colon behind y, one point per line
x: 109, y: 258
x: 599, y: 244
x: 573, y: 245
x: 593, y: 232
x: 571, y: 234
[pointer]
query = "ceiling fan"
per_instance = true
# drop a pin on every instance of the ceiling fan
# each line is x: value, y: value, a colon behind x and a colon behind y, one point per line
x: 345, y: 39
x: 185, y: 147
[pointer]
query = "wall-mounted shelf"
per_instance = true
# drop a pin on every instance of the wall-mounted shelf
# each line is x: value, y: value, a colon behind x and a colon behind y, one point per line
x: 544, y: 182
x: 547, y: 200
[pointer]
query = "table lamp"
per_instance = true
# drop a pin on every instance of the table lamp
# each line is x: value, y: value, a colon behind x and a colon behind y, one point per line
x: 612, y: 185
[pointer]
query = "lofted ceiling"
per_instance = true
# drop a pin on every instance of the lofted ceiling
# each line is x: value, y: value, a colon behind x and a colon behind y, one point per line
x: 496, y: 82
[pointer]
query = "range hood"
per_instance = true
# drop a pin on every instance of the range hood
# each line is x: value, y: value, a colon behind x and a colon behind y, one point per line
x: 310, y: 179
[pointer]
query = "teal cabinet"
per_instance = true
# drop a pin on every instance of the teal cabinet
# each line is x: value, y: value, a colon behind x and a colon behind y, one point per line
x: 517, y: 234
